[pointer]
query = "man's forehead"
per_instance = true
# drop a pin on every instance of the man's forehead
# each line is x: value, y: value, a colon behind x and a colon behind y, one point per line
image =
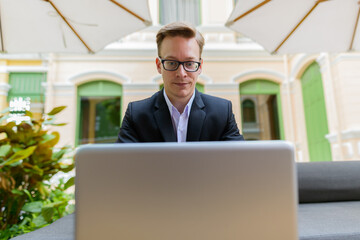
x: 169, y: 45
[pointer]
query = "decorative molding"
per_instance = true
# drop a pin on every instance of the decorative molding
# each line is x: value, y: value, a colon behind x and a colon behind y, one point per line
x: 27, y: 56
x: 205, y: 78
x: 64, y: 89
x: 4, y: 89
x: 321, y: 60
x: 346, y: 57
x: 218, y: 93
x: 350, y: 134
x: 63, y: 86
x: 272, y: 75
x: 223, y: 86
x: 301, y: 60
x: 141, y: 86
x: 156, y: 79
x: 95, y: 75
x: 9, y: 69
x: 332, y: 137
x: 143, y: 94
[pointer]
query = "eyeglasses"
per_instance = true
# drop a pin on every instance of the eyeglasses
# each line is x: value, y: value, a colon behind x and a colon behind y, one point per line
x: 173, y: 65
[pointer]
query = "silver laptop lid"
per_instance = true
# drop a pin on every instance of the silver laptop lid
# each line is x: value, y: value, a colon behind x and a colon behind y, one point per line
x: 192, y: 191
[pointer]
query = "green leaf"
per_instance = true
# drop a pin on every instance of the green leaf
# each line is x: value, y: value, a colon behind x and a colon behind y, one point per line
x: 59, y: 154
x: 33, y: 207
x: 69, y: 183
x: 47, y: 137
x: 20, y: 155
x: 48, y: 213
x: 4, y: 150
x: 38, y: 170
x: 40, y: 221
x: 55, y: 204
x: 28, y: 113
x: 28, y: 194
x: 17, y: 192
x: 56, y: 110
x: 58, y: 124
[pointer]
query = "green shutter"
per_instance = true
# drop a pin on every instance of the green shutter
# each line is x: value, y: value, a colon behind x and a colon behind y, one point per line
x: 27, y: 85
x: 315, y: 114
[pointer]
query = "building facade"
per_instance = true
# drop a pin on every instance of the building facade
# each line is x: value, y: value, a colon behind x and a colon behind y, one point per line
x: 310, y: 100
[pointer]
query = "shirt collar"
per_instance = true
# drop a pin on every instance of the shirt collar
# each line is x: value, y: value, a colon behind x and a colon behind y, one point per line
x: 171, y: 107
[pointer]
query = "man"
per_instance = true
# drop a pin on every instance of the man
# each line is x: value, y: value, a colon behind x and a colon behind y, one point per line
x: 178, y: 112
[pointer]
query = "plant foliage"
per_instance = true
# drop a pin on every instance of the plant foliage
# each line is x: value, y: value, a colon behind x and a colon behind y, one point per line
x: 28, y: 160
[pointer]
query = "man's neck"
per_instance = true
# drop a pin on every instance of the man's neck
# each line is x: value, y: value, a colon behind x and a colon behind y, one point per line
x: 180, y: 103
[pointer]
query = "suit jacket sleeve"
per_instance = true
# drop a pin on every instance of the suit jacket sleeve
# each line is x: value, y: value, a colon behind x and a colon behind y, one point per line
x: 231, y: 132
x: 127, y: 132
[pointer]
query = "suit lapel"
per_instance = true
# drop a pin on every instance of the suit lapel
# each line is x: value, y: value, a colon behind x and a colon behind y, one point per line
x: 196, y: 119
x: 163, y: 119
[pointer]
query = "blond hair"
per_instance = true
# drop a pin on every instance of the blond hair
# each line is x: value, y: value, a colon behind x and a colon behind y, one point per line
x: 181, y: 29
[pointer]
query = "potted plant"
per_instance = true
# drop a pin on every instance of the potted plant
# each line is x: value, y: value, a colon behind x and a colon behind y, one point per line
x: 28, y: 160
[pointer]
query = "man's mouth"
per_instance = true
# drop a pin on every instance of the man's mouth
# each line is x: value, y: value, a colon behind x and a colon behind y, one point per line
x: 181, y: 84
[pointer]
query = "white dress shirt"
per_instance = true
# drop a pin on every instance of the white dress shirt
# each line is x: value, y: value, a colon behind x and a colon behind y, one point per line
x: 180, y: 120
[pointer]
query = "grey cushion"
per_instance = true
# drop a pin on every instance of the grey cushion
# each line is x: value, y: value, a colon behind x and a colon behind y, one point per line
x: 62, y: 229
x: 329, y: 221
x: 328, y: 181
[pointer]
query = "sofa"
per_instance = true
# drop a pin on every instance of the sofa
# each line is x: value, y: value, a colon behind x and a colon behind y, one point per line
x: 329, y: 205
x: 329, y: 200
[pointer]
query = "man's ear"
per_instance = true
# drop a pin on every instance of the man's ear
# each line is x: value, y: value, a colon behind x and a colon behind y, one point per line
x: 200, y: 68
x: 158, y: 65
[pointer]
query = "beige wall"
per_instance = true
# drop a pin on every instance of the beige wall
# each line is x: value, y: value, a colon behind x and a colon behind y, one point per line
x: 228, y: 61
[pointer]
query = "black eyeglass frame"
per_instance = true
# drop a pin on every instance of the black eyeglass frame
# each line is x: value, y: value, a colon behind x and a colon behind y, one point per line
x: 179, y: 63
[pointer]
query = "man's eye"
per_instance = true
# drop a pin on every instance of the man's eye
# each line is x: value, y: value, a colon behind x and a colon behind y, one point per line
x: 190, y: 64
x: 171, y: 63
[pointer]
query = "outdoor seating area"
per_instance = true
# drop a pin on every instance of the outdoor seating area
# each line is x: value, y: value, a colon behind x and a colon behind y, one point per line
x: 93, y: 72
x: 329, y: 205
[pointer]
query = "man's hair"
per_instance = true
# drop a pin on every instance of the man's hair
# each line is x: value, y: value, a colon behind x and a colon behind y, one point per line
x: 181, y: 29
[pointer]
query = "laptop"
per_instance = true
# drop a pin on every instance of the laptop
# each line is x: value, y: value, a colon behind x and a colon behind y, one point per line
x: 192, y: 191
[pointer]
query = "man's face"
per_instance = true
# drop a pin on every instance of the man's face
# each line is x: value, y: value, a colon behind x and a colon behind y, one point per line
x: 179, y: 84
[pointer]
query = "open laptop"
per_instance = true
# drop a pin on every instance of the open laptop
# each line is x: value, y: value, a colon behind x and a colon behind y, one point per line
x: 192, y: 191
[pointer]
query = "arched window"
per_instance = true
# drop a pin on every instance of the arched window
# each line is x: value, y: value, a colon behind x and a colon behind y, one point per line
x: 99, y: 112
x: 248, y: 111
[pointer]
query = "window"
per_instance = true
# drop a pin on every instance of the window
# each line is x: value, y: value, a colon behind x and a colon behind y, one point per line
x: 248, y: 111
x: 180, y: 10
x: 26, y: 94
x: 99, y: 112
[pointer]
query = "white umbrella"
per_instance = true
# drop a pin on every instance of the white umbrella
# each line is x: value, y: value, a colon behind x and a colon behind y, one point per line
x: 293, y: 26
x: 68, y: 26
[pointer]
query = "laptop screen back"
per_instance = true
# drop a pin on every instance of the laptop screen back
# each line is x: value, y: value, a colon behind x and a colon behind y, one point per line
x: 192, y: 191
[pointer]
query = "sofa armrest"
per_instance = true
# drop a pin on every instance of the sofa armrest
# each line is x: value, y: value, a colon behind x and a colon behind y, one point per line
x: 328, y: 181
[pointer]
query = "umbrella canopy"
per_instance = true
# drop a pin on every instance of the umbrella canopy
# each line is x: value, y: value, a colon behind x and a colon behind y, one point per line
x: 293, y: 26
x: 68, y: 26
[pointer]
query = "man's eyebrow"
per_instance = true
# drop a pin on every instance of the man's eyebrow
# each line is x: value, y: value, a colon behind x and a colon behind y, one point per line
x: 186, y: 59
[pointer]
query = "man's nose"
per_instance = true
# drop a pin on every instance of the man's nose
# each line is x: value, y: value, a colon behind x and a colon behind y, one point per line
x: 181, y: 69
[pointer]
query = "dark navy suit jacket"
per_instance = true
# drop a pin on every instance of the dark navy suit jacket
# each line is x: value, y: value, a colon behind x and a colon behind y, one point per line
x: 211, y: 119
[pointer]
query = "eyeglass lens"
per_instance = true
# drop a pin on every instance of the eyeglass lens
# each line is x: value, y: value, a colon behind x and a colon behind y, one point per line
x: 173, y: 65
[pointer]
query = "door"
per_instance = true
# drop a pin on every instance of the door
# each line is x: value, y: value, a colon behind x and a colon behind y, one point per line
x: 315, y: 114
